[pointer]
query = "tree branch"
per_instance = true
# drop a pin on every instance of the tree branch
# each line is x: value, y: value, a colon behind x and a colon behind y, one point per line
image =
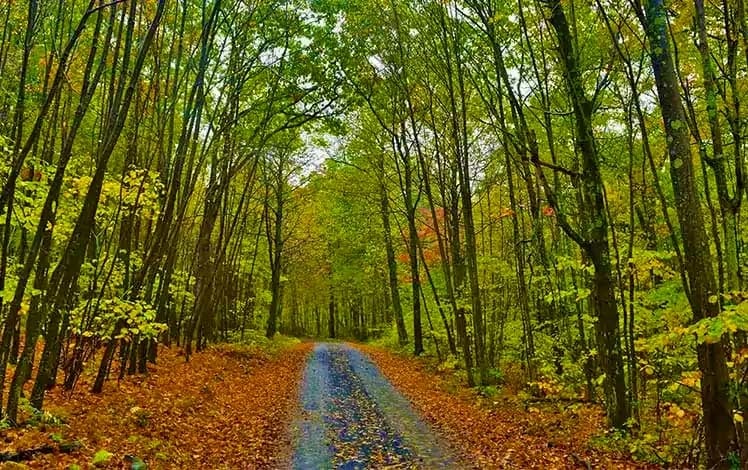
x: 104, y: 5
x: 552, y: 200
x: 537, y: 161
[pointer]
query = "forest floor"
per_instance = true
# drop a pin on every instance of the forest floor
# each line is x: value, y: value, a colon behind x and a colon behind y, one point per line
x: 306, y: 406
x: 500, y: 432
x: 229, y: 407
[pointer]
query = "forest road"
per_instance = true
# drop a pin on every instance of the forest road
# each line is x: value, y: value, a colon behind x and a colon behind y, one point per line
x: 353, y: 418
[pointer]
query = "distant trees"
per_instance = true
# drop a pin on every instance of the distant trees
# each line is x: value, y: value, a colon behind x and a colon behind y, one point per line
x: 555, y: 97
x: 129, y: 175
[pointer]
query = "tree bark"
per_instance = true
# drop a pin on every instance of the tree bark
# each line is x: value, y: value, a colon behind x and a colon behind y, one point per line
x: 719, y: 428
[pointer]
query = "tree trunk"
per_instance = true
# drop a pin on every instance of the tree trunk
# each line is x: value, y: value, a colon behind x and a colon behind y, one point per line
x: 595, y: 239
x: 719, y: 428
x: 397, y: 308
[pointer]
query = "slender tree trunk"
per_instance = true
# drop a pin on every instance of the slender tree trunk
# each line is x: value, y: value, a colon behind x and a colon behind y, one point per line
x: 595, y: 239
x: 397, y: 309
x: 719, y: 428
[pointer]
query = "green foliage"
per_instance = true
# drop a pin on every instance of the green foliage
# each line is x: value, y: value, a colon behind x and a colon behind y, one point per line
x: 496, y: 376
x: 101, y: 458
x: 643, y: 448
x: 136, y: 463
x: 5, y: 423
x: 140, y: 416
x: 138, y: 316
x: 732, y: 320
x: 38, y: 417
x: 488, y: 391
x: 323, y: 118
x: 254, y: 340
x: 450, y: 363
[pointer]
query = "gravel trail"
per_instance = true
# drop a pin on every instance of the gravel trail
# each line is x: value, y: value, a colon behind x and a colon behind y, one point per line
x: 352, y: 418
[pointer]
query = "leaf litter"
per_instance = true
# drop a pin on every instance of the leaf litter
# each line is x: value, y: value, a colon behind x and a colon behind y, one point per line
x: 499, y: 433
x: 229, y: 407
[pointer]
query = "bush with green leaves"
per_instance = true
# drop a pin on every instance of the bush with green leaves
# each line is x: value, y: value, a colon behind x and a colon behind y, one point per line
x: 138, y: 316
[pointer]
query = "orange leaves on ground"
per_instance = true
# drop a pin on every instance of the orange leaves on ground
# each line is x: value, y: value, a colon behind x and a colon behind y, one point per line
x: 226, y: 408
x: 500, y: 433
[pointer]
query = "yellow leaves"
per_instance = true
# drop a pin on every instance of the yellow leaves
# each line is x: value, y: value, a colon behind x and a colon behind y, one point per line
x: 138, y: 190
x: 677, y: 415
x: 79, y: 186
x: 691, y: 379
x: 110, y: 189
x: 677, y: 410
x: 546, y: 387
x: 141, y: 190
x: 646, y: 263
x: 495, y: 19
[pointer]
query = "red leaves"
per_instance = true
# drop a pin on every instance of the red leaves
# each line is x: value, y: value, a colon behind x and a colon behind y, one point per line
x: 426, y: 228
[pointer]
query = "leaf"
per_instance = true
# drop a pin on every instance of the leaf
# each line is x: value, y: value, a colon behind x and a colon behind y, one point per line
x: 136, y: 463
x: 101, y: 457
x: 583, y: 293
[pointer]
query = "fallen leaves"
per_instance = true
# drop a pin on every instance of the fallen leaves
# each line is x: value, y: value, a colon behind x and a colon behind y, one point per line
x: 499, y: 434
x: 226, y: 408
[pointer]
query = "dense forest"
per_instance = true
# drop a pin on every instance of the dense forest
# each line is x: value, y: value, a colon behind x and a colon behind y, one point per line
x: 547, y: 192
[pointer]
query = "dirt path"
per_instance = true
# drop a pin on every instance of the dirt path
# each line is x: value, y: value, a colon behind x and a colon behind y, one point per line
x: 353, y: 418
x: 500, y: 432
x: 346, y: 406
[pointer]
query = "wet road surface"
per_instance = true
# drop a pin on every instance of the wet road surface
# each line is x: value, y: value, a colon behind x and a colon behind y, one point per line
x: 352, y: 418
